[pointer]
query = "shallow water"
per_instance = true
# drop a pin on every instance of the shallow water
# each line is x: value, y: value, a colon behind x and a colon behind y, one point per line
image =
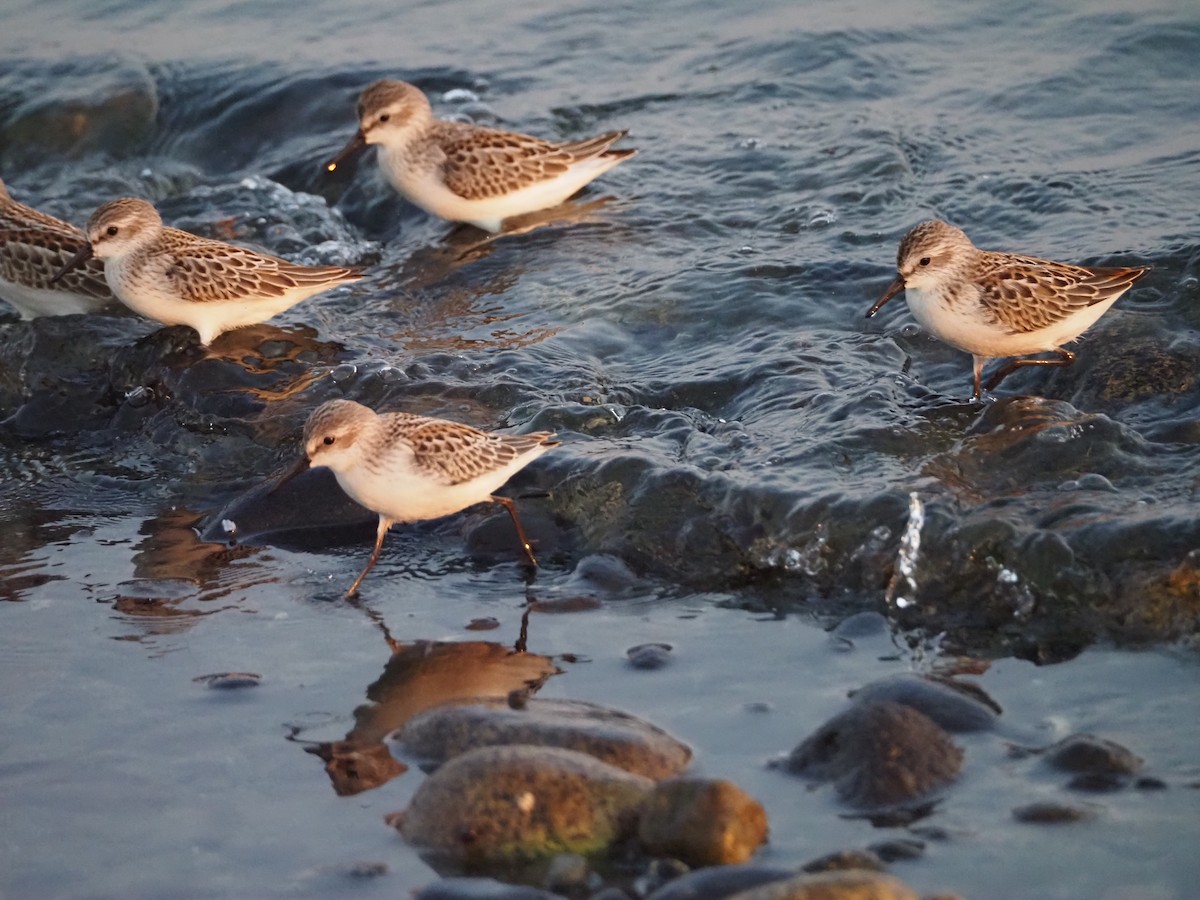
x: 740, y: 445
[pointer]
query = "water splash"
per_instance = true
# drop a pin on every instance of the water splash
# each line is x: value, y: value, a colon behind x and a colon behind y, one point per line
x: 811, y: 559
x: 902, y: 589
x: 1019, y: 597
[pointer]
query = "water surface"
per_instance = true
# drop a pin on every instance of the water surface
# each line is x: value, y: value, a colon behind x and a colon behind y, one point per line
x: 740, y: 445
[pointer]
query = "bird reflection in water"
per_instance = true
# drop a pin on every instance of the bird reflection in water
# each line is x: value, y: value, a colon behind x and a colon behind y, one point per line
x: 174, y: 570
x: 419, y: 676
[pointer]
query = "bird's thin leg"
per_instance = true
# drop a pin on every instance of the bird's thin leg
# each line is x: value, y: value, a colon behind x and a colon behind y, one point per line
x: 384, y: 525
x: 512, y: 511
x: 979, y: 361
x: 1065, y: 358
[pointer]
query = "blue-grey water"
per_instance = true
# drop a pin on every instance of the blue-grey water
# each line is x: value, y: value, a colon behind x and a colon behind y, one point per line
x: 741, y: 447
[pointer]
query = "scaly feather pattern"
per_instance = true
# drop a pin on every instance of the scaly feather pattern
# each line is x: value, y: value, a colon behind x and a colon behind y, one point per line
x: 993, y: 304
x: 178, y: 278
x: 408, y: 468
x: 466, y: 172
x: 33, y: 247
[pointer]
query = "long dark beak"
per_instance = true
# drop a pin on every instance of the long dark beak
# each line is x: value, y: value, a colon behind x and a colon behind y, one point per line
x: 896, y: 287
x: 357, y: 145
x: 300, y: 466
x: 81, y: 256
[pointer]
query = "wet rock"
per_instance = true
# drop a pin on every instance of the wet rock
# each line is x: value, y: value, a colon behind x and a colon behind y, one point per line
x: 102, y: 107
x: 480, y: 889
x: 614, y: 737
x: 603, y: 573
x: 956, y: 706
x: 484, y: 623
x: 567, y: 873
x: 1184, y: 579
x: 658, y: 873
x: 574, y: 604
x: 331, y: 880
x: 843, y: 860
x: 1097, y: 782
x: 900, y: 816
x: 931, y: 832
x: 702, y: 822
x: 861, y: 625
x: 263, y: 512
x: 715, y: 882
x: 649, y: 656
x: 610, y: 893
x: 518, y: 804
x: 850, y: 885
x: 900, y: 848
x: 1089, y: 755
x: 229, y: 681
x: 360, y: 870
x: 488, y: 532
x: 1145, y: 368
x: 366, y: 869
x: 1052, y: 813
x: 51, y: 382
x: 878, y: 754
x: 1161, y: 604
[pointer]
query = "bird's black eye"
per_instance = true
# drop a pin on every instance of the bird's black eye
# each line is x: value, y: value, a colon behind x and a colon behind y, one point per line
x: 924, y: 260
x: 111, y: 231
x: 383, y: 117
x: 329, y: 439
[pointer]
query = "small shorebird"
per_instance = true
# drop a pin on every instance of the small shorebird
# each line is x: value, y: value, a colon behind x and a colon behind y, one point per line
x: 410, y: 468
x: 994, y: 304
x: 178, y: 278
x: 33, y: 246
x: 465, y: 172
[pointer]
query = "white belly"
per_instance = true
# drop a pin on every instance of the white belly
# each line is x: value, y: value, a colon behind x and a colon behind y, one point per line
x: 963, y: 325
x: 403, y: 494
x: 32, y: 302
x: 428, y: 191
x: 149, y: 291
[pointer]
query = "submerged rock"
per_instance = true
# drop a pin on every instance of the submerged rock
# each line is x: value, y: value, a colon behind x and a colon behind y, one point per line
x: 702, y: 822
x: 649, y: 656
x: 1052, y: 813
x: 848, y: 885
x: 879, y: 754
x: 1087, y: 754
x: 719, y: 881
x: 101, y: 107
x: 229, y: 681
x: 846, y: 860
x: 518, y: 804
x: 956, y: 706
x: 897, y: 849
x: 610, y: 735
x: 569, y: 872
x: 480, y: 889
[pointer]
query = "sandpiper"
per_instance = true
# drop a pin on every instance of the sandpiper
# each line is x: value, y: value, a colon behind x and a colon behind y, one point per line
x: 178, y: 278
x: 466, y: 172
x: 409, y: 468
x: 994, y: 304
x: 33, y: 246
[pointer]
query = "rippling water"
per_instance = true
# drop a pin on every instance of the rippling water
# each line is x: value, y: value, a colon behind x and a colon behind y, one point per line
x: 737, y: 437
